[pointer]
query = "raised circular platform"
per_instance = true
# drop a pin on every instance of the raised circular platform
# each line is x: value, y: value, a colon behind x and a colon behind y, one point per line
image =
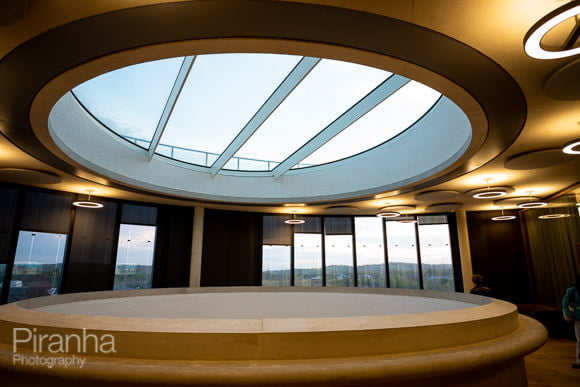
x: 269, y: 336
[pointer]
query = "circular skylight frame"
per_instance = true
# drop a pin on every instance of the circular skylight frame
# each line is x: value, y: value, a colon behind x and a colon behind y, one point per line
x: 381, y: 95
x: 287, y: 31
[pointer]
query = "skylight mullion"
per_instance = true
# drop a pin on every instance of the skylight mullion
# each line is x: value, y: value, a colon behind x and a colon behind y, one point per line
x: 363, y: 106
x: 175, y: 91
x: 298, y: 73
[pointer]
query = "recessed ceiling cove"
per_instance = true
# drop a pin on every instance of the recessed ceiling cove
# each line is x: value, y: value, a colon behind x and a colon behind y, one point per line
x: 292, y: 114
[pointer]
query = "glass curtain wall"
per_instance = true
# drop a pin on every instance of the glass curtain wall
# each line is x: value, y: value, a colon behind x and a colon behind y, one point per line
x: 403, y: 259
x: 370, y: 252
x: 134, y: 265
x: 307, y: 259
x: 436, y: 259
x: 38, y: 265
x: 276, y: 251
x: 355, y: 251
x: 338, y: 246
x: 2, y: 274
x: 276, y: 265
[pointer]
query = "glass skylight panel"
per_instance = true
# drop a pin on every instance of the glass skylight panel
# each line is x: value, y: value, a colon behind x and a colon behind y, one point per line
x: 220, y: 95
x: 330, y: 89
x: 388, y: 119
x: 129, y: 101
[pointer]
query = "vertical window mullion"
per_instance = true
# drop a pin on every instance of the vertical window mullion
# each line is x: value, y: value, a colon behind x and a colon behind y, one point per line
x: 354, y: 260
x: 292, y: 255
x: 323, y: 250
x: 386, y: 247
x: 419, y: 265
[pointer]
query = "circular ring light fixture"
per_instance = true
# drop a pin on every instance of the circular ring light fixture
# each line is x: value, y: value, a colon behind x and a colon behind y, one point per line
x: 88, y: 203
x: 407, y: 220
x: 491, y: 194
x: 293, y: 220
x: 532, y: 202
x: 532, y: 42
x: 503, y: 217
x: 572, y: 148
x: 386, y: 213
x: 553, y: 216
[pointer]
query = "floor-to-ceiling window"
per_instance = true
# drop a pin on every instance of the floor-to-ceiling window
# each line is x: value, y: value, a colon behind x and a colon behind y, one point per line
x: 2, y: 274
x: 436, y: 257
x: 307, y: 259
x: 363, y: 251
x: 339, y: 251
x: 134, y: 265
x: 38, y: 264
x: 402, y: 255
x: 276, y: 265
x: 370, y: 252
x: 276, y: 251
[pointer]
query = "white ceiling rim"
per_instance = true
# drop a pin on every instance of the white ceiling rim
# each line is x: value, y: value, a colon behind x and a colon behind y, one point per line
x: 429, y: 147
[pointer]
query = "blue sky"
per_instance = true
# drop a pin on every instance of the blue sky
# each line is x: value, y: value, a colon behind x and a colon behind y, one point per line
x: 223, y: 91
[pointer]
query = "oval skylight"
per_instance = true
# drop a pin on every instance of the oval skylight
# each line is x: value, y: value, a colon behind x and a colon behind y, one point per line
x: 255, y: 112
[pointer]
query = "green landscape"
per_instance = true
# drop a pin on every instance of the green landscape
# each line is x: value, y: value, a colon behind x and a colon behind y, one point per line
x: 402, y: 275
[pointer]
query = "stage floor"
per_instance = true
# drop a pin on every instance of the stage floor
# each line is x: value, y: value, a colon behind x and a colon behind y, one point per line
x: 275, y: 336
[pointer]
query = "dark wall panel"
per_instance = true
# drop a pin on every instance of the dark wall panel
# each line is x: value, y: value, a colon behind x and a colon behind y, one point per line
x: 137, y: 214
x: 497, y: 253
x: 8, y: 206
x: 173, y: 247
x: 46, y: 212
x: 93, y: 243
x: 232, y: 249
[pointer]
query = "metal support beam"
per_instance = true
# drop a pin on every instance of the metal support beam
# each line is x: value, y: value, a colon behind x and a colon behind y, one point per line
x: 170, y: 104
x: 363, y: 106
x: 298, y: 73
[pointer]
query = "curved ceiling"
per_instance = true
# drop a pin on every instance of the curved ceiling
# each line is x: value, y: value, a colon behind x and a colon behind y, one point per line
x: 492, y: 84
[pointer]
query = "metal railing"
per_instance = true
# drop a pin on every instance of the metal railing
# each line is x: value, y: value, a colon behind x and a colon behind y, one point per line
x: 206, y: 159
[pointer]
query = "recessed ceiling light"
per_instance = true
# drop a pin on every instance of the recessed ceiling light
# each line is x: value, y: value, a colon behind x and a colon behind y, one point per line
x: 572, y: 148
x: 532, y: 42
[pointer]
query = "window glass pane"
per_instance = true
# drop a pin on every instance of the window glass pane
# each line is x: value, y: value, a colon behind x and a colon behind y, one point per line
x: 220, y: 96
x: 339, y: 260
x: 275, y: 265
x: 389, y: 118
x: 2, y: 274
x: 436, y: 257
x: 370, y: 252
x: 134, y: 267
x: 307, y: 259
x: 129, y: 101
x: 38, y: 264
x: 403, y: 268
x: 330, y: 89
